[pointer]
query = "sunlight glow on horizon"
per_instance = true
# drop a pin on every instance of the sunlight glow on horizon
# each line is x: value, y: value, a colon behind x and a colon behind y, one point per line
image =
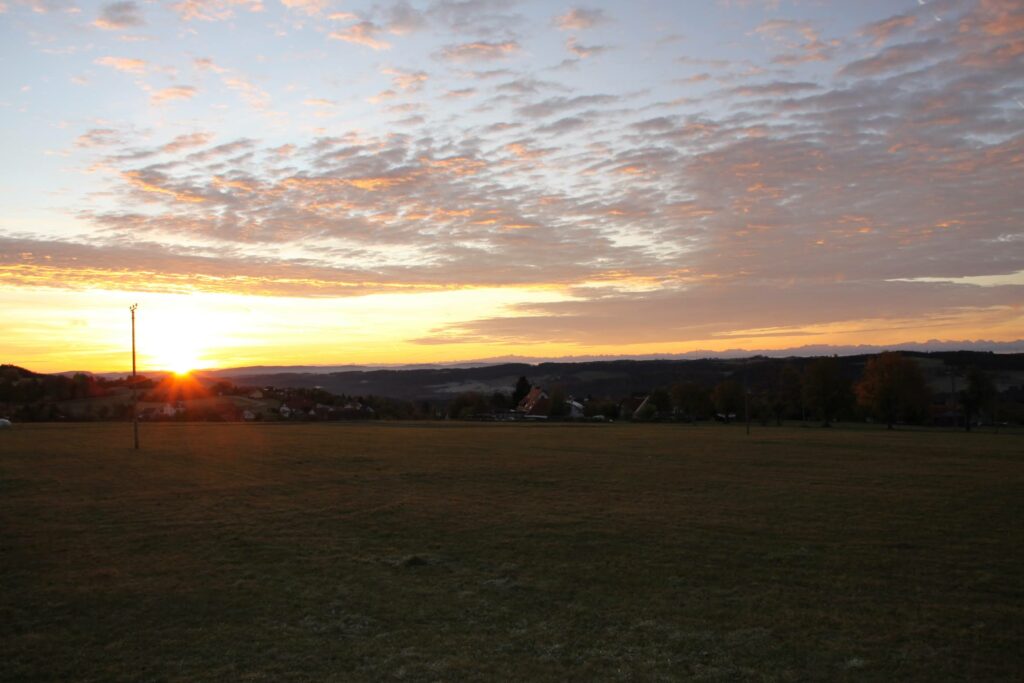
x: 391, y: 181
x: 188, y: 333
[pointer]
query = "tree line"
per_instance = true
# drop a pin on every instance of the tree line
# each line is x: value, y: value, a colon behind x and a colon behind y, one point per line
x: 891, y: 390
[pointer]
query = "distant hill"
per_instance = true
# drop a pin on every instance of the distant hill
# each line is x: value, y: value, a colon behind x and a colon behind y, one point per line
x: 612, y: 378
x: 9, y: 373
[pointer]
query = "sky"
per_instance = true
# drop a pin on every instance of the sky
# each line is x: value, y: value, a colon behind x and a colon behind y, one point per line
x: 317, y: 182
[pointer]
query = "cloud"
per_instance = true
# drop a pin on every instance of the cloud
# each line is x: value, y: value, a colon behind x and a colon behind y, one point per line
x: 529, y: 86
x: 140, y: 266
x: 402, y: 18
x: 479, y: 18
x: 881, y: 31
x: 797, y: 201
x: 459, y: 93
x: 172, y: 93
x: 775, y: 89
x: 253, y: 95
x: 578, y: 19
x: 99, y: 137
x: 522, y: 149
x: 708, y: 314
x: 319, y: 102
x: 186, y: 141
x: 406, y: 81
x: 48, y: 6
x: 382, y: 96
x: 584, y: 51
x: 207, y: 64
x: 119, y: 15
x: 555, y: 105
x: 213, y: 10
x: 811, y: 49
x: 995, y: 18
x: 123, y: 64
x: 895, y: 57
x: 310, y: 7
x: 364, y: 33
x: 148, y: 181
x: 479, y: 51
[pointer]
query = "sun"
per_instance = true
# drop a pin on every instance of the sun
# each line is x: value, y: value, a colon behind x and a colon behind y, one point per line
x: 176, y: 346
x: 181, y: 362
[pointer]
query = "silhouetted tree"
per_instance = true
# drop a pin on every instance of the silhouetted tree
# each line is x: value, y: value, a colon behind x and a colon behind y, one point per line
x: 893, y: 388
x: 728, y: 398
x: 787, y: 397
x: 661, y: 401
x: 606, y: 408
x: 559, y: 408
x: 467, y: 404
x: 500, y: 402
x: 522, y: 388
x: 691, y: 399
x: 826, y: 389
x: 979, y: 393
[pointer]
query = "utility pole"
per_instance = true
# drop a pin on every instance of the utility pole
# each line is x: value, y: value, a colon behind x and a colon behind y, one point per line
x: 135, y: 394
x: 746, y: 408
x: 952, y: 396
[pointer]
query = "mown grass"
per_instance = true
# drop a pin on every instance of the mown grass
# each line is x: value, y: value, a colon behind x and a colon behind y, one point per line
x: 529, y: 552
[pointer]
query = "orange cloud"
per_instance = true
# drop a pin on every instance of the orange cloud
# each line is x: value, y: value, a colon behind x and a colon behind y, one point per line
x: 408, y: 81
x: 880, y: 31
x: 578, y: 19
x: 479, y: 51
x: 186, y: 141
x: 310, y: 7
x: 364, y: 33
x: 254, y: 96
x: 137, y: 180
x: 457, y: 165
x: 123, y: 64
x: 177, y: 92
x: 213, y: 10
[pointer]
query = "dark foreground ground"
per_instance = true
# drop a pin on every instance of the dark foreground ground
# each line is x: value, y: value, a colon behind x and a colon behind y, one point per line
x: 530, y: 552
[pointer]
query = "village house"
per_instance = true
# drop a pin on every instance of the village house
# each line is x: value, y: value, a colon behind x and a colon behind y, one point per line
x: 535, y: 404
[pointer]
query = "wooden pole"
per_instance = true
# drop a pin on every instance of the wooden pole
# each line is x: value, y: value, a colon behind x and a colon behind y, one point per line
x: 135, y: 395
x: 746, y: 408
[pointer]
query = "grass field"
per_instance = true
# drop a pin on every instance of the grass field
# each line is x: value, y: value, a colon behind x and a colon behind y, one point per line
x: 528, y: 552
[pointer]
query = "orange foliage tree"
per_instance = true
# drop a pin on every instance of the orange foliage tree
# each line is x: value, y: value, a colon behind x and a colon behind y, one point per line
x: 893, y: 388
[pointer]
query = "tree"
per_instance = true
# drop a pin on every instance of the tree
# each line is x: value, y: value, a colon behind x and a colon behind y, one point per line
x: 605, y: 408
x: 787, y: 398
x: 893, y: 388
x: 691, y: 400
x: 500, y: 402
x: 826, y: 389
x: 522, y: 388
x: 559, y: 408
x: 979, y: 393
x: 467, y: 404
x: 728, y: 398
x: 661, y: 401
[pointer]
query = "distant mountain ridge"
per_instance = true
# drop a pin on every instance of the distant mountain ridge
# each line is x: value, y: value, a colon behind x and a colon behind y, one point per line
x: 932, y: 345
x: 604, y: 378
